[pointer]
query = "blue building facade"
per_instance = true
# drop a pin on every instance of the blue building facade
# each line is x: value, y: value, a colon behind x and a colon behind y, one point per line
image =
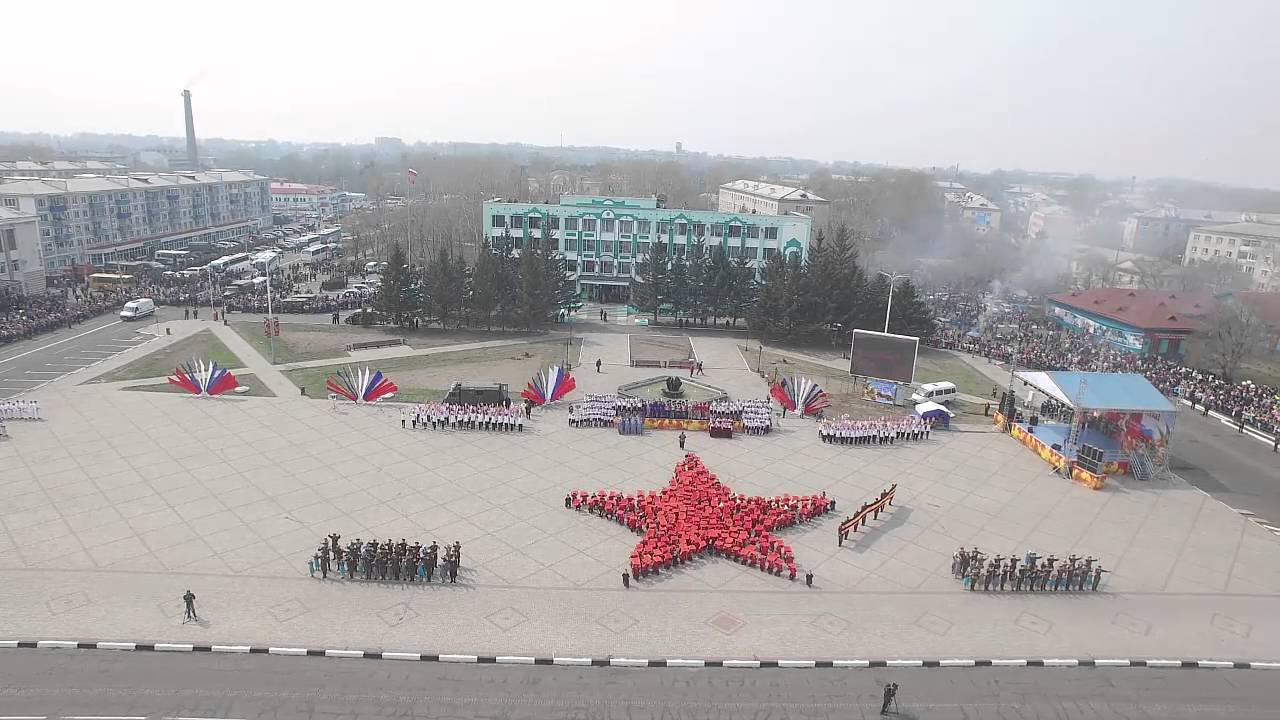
x: 603, y: 238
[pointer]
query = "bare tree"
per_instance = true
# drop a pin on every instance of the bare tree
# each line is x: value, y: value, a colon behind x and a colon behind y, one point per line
x: 1232, y: 333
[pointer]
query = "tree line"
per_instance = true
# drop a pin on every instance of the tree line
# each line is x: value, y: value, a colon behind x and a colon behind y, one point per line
x: 499, y: 289
x: 823, y: 296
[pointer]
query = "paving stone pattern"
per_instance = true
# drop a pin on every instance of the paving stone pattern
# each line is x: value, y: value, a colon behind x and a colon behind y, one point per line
x: 121, y: 501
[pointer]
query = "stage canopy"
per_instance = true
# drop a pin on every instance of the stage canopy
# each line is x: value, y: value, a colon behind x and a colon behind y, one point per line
x: 1120, y: 392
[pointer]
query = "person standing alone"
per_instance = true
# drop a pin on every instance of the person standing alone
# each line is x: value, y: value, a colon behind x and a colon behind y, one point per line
x: 189, y: 600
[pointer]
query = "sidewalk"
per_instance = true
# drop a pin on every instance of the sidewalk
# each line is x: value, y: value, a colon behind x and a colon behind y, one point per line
x: 267, y: 373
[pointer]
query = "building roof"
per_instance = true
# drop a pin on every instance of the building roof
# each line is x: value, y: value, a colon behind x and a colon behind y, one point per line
x: 1254, y: 229
x: 771, y: 191
x: 1172, y: 212
x: 1123, y: 392
x: 111, y: 183
x: 949, y: 185
x: 36, y: 166
x: 301, y: 188
x: 1141, y: 308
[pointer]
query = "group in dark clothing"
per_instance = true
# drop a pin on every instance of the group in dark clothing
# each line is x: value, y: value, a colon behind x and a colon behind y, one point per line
x: 397, y: 562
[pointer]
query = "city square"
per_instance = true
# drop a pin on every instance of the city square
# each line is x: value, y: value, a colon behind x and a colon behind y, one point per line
x: 118, y: 502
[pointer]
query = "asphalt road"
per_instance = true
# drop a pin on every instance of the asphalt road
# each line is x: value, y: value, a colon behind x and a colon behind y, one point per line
x: 29, y: 365
x: 101, y: 684
x: 1235, y: 468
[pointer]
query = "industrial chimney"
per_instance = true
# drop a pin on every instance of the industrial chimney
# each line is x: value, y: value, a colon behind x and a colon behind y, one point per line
x: 193, y: 157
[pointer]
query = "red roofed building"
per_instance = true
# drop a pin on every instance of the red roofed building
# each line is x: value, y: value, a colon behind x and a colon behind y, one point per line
x: 1134, y: 320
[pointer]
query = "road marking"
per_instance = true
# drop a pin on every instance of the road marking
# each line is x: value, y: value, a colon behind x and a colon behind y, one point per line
x: 99, y: 352
x: 46, y: 372
x: 91, y: 361
x: 23, y: 717
x: 179, y: 717
x: 59, y: 342
x: 104, y: 717
x: 117, y: 348
x: 10, y: 379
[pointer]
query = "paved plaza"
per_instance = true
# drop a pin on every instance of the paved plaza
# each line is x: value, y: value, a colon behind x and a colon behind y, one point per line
x: 120, y: 501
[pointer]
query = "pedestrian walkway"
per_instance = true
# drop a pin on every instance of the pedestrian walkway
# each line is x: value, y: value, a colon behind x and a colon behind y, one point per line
x: 267, y: 373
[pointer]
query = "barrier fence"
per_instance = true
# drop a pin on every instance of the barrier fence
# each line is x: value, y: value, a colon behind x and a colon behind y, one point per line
x: 871, y: 509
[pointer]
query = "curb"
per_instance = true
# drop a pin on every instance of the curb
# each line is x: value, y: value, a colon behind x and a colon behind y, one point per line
x: 641, y: 662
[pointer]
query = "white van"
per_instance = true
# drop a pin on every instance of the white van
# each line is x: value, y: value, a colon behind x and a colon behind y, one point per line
x: 938, y: 392
x: 139, y: 308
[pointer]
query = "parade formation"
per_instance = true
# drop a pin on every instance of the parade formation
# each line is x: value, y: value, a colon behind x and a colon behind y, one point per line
x: 697, y: 514
x: 386, y: 561
x: 1030, y: 572
x: 882, y: 431
x: 440, y: 416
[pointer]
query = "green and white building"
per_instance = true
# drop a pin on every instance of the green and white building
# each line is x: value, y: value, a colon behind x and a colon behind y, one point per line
x: 602, y: 238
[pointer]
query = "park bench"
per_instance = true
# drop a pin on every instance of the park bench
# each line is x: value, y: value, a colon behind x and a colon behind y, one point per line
x: 373, y: 344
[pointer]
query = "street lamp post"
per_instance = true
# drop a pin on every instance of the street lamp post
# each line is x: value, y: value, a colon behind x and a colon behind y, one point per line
x: 892, y: 277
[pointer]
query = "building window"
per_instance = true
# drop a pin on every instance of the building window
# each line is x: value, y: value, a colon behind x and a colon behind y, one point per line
x: 753, y: 231
x: 571, y: 224
x: 589, y: 245
x: 770, y: 252
x: 571, y: 245
x: 588, y: 224
x: 771, y: 233
x: 1216, y: 252
x: 555, y: 222
x: 624, y: 268
x: 682, y: 229
x: 589, y: 266
x: 751, y: 252
x: 11, y: 202
x: 535, y: 222
x: 642, y: 248
x: 517, y: 222
x: 677, y: 251
x: 717, y: 230
x: 625, y: 247
x: 643, y: 226
x: 734, y: 251
x: 626, y: 227
x: 606, y: 267
x: 663, y: 227
x: 498, y: 221
x: 607, y: 225
x: 735, y: 231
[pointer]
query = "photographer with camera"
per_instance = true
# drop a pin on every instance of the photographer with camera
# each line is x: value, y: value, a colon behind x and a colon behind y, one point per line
x: 890, y: 696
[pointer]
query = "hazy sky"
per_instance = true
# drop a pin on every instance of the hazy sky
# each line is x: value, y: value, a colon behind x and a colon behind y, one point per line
x: 1117, y: 88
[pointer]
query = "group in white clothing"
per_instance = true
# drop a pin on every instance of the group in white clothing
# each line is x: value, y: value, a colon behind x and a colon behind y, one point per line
x: 20, y: 410
x: 439, y: 416
x: 882, y: 431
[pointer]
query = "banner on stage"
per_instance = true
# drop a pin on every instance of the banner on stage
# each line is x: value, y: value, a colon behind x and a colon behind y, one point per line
x: 884, y: 392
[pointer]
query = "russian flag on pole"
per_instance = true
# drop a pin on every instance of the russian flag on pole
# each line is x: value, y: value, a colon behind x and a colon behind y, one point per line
x: 549, y: 386
x: 413, y: 176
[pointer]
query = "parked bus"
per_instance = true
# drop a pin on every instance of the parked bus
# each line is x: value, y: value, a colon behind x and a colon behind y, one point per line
x: 266, y: 261
x: 318, y: 253
x: 110, y: 281
x: 174, y: 259
x: 331, y: 236
x: 237, y: 287
x: 231, y: 263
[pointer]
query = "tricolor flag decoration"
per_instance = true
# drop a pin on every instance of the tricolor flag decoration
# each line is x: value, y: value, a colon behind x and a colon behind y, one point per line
x: 361, y: 386
x: 413, y: 176
x: 204, y: 379
x: 549, y: 386
x: 800, y: 395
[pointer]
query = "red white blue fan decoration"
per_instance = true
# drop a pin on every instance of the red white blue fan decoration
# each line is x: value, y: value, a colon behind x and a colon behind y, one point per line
x: 800, y: 395
x: 549, y: 386
x: 203, y: 379
x: 361, y: 386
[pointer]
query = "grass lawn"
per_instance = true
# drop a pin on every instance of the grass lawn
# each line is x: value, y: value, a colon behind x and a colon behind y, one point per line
x: 204, y: 345
x: 295, y: 343
x: 249, y: 380
x: 846, y: 394
x: 426, y: 378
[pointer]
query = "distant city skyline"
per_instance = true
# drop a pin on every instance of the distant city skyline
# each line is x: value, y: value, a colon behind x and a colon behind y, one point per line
x: 1144, y: 88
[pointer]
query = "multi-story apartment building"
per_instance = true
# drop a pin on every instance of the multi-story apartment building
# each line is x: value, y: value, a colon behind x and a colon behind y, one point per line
x: 20, y: 251
x: 299, y: 197
x: 1164, y: 231
x: 98, y: 219
x: 58, y: 168
x: 1253, y: 246
x: 602, y: 238
x: 974, y: 210
x: 749, y: 196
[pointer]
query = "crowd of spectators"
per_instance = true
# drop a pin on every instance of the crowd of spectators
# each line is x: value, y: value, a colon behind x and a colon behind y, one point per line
x: 1037, y: 347
x: 25, y: 316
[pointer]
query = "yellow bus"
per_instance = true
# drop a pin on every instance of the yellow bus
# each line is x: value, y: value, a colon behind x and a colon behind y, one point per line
x: 110, y: 281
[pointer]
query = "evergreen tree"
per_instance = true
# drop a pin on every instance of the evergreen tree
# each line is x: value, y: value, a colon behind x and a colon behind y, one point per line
x: 909, y: 315
x: 699, y: 263
x: 486, y: 284
x: 396, y: 296
x: 533, y: 288
x: 679, y: 283
x: 720, y: 283
x: 743, y: 290
x: 654, y: 282
x: 445, y: 284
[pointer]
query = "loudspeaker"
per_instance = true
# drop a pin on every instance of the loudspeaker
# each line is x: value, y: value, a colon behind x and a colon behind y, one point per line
x: 1035, y: 420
